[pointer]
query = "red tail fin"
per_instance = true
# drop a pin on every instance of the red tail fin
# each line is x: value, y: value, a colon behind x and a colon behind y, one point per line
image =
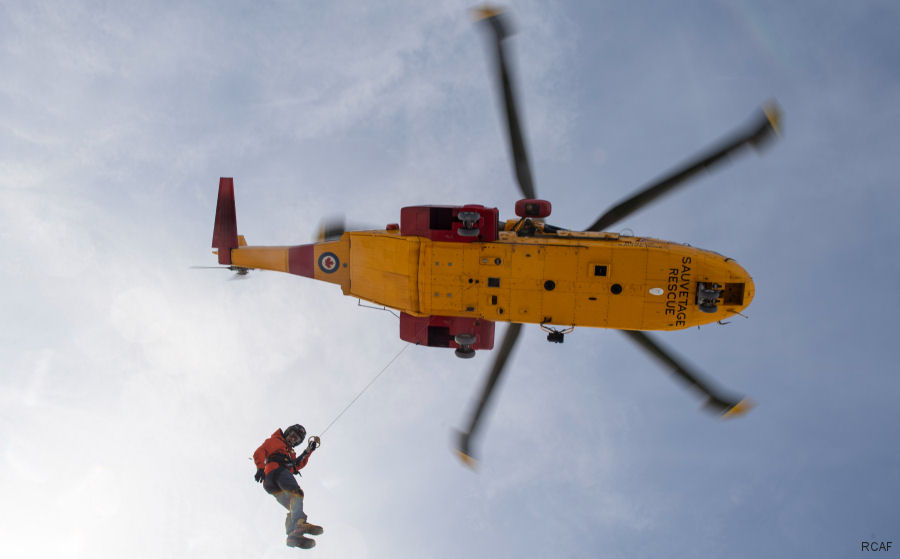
x: 225, y: 235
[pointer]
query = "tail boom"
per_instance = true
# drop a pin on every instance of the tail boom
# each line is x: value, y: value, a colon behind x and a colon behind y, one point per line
x: 326, y: 261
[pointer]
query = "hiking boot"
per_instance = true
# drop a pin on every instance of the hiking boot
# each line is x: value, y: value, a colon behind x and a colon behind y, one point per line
x: 307, y: 528
x: 300, y: 541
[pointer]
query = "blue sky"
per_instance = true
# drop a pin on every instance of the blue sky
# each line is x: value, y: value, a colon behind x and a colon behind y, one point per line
x: 135, y: 388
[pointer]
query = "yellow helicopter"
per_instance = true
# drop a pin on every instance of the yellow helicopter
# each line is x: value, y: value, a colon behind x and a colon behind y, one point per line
x: 454, y: 271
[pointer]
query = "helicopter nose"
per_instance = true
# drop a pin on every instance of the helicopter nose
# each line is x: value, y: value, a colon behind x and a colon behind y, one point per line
x: 749, y: 291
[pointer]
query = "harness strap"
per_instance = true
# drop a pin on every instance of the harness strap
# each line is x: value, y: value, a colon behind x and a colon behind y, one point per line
x: 279, y: 458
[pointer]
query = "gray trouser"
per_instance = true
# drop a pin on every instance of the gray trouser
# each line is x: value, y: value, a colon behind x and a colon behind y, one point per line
x: 280, y: 483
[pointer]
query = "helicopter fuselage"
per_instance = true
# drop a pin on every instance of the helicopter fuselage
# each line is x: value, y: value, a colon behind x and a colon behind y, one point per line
x: 601, y: 280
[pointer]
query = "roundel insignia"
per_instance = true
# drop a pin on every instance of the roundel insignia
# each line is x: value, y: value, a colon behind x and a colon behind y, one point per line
x: 328, y: 262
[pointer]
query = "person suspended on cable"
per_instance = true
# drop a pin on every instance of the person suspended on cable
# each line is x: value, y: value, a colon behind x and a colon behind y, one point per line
x: 276, y: 465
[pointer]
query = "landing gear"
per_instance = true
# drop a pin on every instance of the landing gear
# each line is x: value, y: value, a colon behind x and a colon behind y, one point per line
x: 469, y: 222
x: 707, y: 297
x: 465, y: 341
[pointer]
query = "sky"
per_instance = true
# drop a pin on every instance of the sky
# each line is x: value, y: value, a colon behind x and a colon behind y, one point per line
x: 134, y: 388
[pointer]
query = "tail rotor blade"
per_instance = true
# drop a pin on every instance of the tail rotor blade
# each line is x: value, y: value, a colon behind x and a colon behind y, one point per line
x: 240, y: 271
x: 716, y: 401
x: 464, y: 441
x: 764, y: 126
x: 500, y: 28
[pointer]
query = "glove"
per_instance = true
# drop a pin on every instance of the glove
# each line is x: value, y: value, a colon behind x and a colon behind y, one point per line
x: 260, y: 475
x: 314, y: 443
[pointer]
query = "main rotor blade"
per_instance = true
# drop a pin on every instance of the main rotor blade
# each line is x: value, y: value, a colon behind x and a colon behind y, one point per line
x: 331, y: 228
x: 464, y: 442
x: 756, y: 134
x: 500, y: 27
x: 717, y: 402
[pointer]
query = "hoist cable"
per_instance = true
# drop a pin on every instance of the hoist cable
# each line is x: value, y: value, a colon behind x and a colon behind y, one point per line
x: 361, y: 392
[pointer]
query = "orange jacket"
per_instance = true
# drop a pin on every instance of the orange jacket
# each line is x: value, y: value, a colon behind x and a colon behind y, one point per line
x: 276, y: 444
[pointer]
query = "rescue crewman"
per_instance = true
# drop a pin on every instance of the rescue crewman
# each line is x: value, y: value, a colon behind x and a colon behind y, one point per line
x: 276, y: 464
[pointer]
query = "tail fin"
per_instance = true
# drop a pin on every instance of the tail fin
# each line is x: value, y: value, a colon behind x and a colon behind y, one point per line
x: 225, y: 235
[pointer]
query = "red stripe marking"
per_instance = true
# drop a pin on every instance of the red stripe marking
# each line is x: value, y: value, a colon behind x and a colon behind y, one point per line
x: 301, y: 261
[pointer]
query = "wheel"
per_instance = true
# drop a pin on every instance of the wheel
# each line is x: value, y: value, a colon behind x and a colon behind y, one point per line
x: 468, y: 217
x: 462, y: 232
x: 708, y: 308
x: 464, y: 339
x: 466, y: 353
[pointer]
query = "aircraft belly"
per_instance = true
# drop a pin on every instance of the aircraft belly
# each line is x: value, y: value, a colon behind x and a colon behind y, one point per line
x: 526, y: 268
x: 671, y: 275
x: 558, y: 294
x: 592, y: 287
x: 543, y: 282
x: 626, y: 286
x: 384, y: 270
x: 442, y: 269
x: 631, y: 283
